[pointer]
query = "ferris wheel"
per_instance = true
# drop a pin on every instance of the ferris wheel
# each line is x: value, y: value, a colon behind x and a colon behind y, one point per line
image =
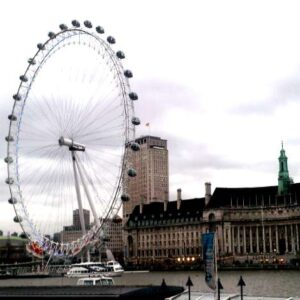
x: 71, y: 134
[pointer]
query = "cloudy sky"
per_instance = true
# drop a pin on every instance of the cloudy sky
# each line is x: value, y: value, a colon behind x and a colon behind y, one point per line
x: 220, y: 80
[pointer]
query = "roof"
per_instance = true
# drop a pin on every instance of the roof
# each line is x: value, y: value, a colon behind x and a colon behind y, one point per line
x: 155, y: 210
x: 251, y: 196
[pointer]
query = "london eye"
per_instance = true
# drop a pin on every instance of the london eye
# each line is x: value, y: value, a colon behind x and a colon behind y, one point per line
x: 71, y: 132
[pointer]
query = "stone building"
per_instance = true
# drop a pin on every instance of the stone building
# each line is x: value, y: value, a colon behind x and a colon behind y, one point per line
x: 164, y: 231
x: 253, y: 223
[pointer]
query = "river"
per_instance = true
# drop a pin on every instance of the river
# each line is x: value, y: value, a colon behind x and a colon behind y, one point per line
x: 274, y: 283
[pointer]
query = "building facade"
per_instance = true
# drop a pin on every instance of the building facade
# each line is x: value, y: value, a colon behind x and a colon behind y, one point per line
x: 76, y: 218
x: 73, y: 232
x: 152, y: 181
x: 113, y: 238
x: 13, y: 249
x: 254, y: 223
x: 161, y: 232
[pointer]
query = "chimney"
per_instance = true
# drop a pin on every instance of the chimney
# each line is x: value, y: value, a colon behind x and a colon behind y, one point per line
x: 165, y: 205
x: 178, y: 198
x: 141, y: 205
x: 207, y: 192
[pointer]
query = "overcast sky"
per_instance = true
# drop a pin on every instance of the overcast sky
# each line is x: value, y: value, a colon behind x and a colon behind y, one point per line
x: 220, y: 80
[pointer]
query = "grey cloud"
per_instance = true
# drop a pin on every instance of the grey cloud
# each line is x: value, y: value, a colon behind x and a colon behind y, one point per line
x: 284, y: 92
x: 188, y: 157
x: 158, y: 96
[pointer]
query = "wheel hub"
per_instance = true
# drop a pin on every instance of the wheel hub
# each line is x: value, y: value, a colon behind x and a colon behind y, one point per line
x: 73, y: 146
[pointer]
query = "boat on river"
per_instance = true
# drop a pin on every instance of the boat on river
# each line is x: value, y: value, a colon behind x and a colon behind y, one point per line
x: 111, y: 269
x: 98, y: 281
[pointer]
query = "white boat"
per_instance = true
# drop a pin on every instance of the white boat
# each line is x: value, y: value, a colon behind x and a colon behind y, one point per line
x: 102, y: 281
x: 114, y: 268
x: 81, y: 272
x: 93, y: 266
x: 111, y: 268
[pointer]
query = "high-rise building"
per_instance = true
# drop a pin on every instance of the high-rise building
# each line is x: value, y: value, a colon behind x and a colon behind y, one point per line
x: 152, y: 181
x: 76, y: 218
x: 113, y: 234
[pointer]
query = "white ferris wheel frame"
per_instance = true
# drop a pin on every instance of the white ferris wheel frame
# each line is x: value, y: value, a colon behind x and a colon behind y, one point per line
x: 35, y: 64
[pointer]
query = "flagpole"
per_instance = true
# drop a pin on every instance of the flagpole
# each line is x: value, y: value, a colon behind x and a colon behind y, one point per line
x: 149, y: 129
x: 216, y: 266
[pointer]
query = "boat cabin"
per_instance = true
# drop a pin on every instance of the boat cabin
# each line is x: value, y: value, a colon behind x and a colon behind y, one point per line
x: 106, y: 281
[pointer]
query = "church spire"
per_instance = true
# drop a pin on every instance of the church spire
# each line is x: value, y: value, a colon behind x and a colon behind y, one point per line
x: 284, y: 180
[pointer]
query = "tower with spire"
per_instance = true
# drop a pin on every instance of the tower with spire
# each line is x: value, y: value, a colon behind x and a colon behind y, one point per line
x: 284, y: 180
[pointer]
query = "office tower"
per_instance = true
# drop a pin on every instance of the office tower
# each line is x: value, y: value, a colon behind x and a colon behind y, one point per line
x: 151, y: 184
x: 76, y: 219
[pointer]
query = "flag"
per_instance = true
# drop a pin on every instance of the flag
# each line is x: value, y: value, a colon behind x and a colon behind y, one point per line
x: 147, y: 124
x: 208, y: 246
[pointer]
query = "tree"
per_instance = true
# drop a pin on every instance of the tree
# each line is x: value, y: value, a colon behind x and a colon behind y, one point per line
x: 14, y: 234
x: 1, y: 233
x: 23, y: 235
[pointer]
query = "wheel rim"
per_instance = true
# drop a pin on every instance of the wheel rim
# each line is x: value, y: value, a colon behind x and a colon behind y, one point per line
x: 89, y: 103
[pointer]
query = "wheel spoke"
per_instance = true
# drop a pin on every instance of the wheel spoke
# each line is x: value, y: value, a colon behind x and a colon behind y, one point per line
x: 74, y: 88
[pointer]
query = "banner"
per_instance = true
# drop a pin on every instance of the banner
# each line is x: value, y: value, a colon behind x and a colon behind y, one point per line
x: 208, y: 246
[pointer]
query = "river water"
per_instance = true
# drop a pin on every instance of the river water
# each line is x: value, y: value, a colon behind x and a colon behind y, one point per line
x: 258, y: 283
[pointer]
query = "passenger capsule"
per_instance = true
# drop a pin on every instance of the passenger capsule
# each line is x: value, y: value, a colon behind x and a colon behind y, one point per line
x: 105, y: 239
x: 12, y: 200
x: 8, y: 160
x: 131, y: 172
x: 133, y: 96
x: 135, y: 146
x: 41, y: 46
x: 120, y: 54
x: 128, y: 73
x: 135, y: 121
x: 9, y: 180
x: 125, y: 198
x: 75, y: 23
x: 111, y: 39
x: 63, y: 26
x: 100, y: 29
x: 9, y: 138
x: 51, y: 35
x: 23, y: 78
x: 87, y: 24
x: 31, y: 61
x: 18, y: 219
x: 12, y: 117
x: 17, y: 97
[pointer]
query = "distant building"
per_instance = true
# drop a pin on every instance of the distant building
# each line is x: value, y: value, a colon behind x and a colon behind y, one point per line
x: 258, y: 224
x: 74, y: 231
x: 13, y: 249
x: 113, y: 237
x: 76, y: 218
x: 152, y: 181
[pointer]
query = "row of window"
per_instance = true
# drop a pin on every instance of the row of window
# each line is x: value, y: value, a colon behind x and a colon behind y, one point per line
x: 169, y: 252
x: 168, y: 243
